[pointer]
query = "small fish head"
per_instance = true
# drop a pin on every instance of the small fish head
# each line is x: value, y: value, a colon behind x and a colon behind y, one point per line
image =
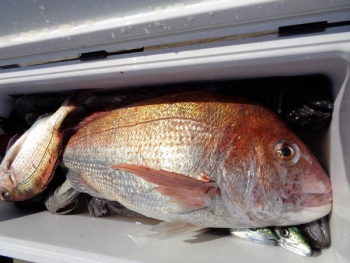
x: 12, y: 190
x: 7, y: 186
x: 270, y: 177
x: 293, y: 240
x: 263, y: 236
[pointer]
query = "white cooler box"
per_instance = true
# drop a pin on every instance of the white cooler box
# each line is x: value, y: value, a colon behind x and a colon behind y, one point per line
x: 52, y: 45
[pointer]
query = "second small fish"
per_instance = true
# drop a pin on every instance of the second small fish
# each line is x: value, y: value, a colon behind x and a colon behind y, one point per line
x: 29, y: 163
x: 289, y: 238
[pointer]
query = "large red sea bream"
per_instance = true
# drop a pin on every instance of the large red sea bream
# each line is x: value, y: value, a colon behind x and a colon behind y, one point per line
x: 198, y: 160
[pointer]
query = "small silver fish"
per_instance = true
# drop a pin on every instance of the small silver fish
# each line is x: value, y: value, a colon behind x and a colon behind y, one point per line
x: 263, y: 236
x: 289, y: 238
x: 293, y: 240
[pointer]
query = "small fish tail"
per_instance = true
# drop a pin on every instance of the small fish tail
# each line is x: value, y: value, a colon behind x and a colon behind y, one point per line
x: 78, y: 97
x: 73, y: 102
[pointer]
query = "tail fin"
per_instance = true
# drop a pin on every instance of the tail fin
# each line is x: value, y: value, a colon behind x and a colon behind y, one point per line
x: 78, y: 97
x: 74, y: 101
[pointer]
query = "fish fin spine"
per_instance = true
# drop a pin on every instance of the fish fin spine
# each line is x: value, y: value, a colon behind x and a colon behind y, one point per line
x: 90, y: 118
x: 173, y: 229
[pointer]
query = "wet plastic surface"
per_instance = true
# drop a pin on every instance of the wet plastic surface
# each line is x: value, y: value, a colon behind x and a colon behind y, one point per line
x: 119, y: 239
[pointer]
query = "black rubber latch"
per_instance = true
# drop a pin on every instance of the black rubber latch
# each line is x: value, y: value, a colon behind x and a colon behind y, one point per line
x: 302, y: 29
x: 337, y: 24
x: 10, y: 66
x: 309, y: 28
x: 93, y: 55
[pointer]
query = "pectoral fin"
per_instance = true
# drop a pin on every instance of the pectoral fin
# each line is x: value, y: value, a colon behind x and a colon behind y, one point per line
x: 12, y: 141
x: 186, y: 192
x: 12, y: 150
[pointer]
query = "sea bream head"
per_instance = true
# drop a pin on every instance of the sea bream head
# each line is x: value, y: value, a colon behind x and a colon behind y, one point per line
x: 268, y: 176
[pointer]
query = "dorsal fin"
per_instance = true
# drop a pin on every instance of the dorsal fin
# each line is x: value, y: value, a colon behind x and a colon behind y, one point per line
x: 90, y: 118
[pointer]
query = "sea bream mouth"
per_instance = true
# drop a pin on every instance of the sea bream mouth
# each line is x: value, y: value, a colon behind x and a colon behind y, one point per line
x: 317, y: 203
x: 311, y: 207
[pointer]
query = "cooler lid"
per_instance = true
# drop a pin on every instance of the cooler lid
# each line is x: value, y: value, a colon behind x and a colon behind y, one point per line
x: 37, y: 31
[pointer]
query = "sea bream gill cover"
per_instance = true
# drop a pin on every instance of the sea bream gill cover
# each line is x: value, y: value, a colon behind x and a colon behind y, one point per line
x: 198, y: 160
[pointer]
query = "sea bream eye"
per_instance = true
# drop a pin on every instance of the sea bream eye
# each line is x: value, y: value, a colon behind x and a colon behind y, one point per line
x: 286, y: 153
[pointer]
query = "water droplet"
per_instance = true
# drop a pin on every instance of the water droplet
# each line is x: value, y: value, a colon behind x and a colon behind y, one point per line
x: 146, y: 30
x: 47, y: 21
x: 150, y: 26
x: 211, y: 13
x: 112, y: 34
x: 237, y: 17
x: 156, y: 23
x: 138, y: 223
x: 130, y: 28
x: 42, y: 7
x: 123, y: 30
